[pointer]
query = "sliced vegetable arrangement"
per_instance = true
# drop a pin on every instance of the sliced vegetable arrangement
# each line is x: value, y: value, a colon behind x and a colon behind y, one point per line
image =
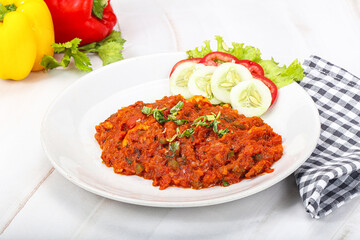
x: 235, y: 75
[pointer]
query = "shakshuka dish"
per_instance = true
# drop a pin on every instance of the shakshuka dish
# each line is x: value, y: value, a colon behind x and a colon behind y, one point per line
x: 187, y: 143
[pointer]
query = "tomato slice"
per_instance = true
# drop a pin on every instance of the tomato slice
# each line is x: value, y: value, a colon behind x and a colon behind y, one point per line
x: 270, y: 84
x: 253, y: 67
x: 216, y: 58
x: 195, y: 60
x: 209, y: 59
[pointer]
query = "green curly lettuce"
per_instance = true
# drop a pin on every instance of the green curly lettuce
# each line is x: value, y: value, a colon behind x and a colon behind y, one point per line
x: 280, y: 75
x: 199, y: 53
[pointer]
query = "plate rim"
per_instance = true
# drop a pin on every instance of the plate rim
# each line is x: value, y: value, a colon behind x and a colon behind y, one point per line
x: 171, y: 204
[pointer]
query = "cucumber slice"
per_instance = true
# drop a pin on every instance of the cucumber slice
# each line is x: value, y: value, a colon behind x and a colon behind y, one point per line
x: 199, y: 83
x: 180, y: 77
x: 251, y: 98
x: 227, y: 76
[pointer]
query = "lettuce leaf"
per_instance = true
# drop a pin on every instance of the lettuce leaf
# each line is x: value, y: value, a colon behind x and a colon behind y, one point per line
x: 199, y: 53
x: 280, y: 75
x: 109, y: 49
x: 70, y: 50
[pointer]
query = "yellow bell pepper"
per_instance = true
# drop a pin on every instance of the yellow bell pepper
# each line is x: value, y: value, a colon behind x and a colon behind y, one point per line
x: 26, y: 34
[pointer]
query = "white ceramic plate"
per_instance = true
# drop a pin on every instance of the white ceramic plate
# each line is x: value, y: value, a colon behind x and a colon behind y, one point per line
x: 68, y: 132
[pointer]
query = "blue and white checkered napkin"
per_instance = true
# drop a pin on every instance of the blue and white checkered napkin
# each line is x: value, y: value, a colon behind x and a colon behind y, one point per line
x: 331, y: 175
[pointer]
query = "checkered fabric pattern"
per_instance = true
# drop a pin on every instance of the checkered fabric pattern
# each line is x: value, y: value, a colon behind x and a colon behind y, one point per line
x: 331, y: 175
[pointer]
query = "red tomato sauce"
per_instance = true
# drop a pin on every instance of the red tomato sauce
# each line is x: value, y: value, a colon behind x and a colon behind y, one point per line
x: 134, y: 143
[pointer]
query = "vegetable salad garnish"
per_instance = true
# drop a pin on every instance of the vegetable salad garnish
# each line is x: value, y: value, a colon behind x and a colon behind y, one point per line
x: 236, y: 75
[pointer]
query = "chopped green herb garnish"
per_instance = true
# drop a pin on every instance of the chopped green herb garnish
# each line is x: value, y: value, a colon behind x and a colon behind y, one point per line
x: 177, y: 107
x: 213, y: 125
x: 147, y: 110
x: 218, y: 115
x: 174, y: 110
x: 225, y: 183
x: 200, y: 121
x: 209, y: 121
x: 178, y: 131
x: 180, y: 121
x: 177, y: 121
x: 170, y: 155
x: 172, y: 138
x: 159, y: 115
x: 174, y: 146
x: 187, y: 132
x: 222, y: 132
x: 210, y: 117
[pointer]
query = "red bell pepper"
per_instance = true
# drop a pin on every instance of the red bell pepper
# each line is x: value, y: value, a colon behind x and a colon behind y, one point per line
x: 75, y: 19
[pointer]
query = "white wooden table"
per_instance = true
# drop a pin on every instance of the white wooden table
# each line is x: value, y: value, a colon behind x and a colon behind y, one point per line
x: 36, y: 202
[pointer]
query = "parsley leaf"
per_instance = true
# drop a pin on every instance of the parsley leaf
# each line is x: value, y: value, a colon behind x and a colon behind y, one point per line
x: 200, y: 121
x: 174, y: 146
x: 146, y: 110
x: 187, y: 132
x: 70, y: 50
x: 177, y: 121
x: 222, y: 132
x: 159, y: 115
x: 109, y: 49
x: 225, y: 183
x: 172, y: 138
x: 49, y: 62
x: 177, y: 107
x: 213, y: 125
